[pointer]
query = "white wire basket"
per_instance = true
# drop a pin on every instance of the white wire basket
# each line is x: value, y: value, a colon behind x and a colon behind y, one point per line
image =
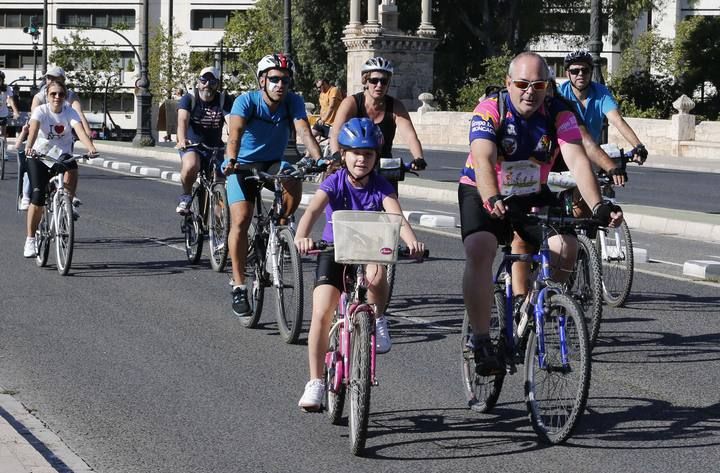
x: 365, y: 237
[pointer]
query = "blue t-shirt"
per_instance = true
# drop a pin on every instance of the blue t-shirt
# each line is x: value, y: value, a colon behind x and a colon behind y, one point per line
x: 206, y: 121
x: 600, y: 101
x: 266, y: 134
x: 343, y: 196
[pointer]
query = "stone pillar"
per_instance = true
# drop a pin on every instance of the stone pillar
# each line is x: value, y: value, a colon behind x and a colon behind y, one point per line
x: 355, y: 24
x: 426, y: 27
x: 389, y: 15
x: 372, y: 26
x: 682, y: 125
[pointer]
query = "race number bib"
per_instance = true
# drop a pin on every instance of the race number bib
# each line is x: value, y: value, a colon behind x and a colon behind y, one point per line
x: 519, y: 178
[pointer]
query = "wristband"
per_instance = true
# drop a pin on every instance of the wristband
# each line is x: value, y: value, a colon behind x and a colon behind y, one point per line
x: 490, y: 203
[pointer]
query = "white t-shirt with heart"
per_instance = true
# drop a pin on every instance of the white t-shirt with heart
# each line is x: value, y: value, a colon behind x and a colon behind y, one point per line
x: 56, y: 127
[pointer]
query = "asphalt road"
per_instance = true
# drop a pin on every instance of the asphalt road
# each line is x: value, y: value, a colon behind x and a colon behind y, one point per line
x: 136, y: 361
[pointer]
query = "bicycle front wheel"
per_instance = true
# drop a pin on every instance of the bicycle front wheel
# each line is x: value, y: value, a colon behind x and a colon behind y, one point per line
x: 556, y: 392
x: 359, y: 382
x: 193, y: 227
x: 390, y: 272
x: 42, y: 237
x: 255, y: 275
x: 64, y: 233
x: 290, y: 287
x: 482, y: 392
x: 586, y: 286
x: 219, y: 223
x: 615, y: 249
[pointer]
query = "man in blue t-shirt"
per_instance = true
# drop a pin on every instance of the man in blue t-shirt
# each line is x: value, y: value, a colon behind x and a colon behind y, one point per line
x: 594, y: 101
x: 260, y: 126
x: 201, y: 115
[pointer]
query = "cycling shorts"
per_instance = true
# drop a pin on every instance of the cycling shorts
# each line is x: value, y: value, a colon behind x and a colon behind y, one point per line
x: 474, y: 218
x: 39, y: 177
x: 240, y: 189
x: 329, y: 272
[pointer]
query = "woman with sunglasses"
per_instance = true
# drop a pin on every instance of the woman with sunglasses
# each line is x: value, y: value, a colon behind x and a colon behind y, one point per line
x: 53, y: 122
x: 385, y: 111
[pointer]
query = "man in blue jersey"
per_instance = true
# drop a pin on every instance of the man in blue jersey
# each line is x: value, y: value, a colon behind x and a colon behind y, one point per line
x: 594, y: 101
x: 260, y: 126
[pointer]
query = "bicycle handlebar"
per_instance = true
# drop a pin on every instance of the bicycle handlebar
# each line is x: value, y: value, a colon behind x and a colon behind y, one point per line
x: 322, y: 246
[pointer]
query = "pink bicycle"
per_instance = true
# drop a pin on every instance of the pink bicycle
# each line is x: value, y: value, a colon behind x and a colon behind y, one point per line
x: 350, y: 365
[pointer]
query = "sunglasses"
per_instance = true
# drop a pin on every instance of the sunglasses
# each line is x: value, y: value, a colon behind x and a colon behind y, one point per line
x: 275, y: 79
x: 526, y: 84
x: 579, y: 70
x: 378, y: 80
x: 57, y: 94
x: 204, y: 81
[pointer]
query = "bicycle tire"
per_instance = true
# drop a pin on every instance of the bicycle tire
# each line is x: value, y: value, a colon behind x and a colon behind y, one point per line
x: 254, y: 280
x: 42, y: 237
x: 390, y: 273
x: 64, y: 234
x: 359, y: 382
x: 482, y: 392
x: 553, y: 401
x: 586, y: 286
x: 289, y: 301
x: 618, y: 265
x: 334, y: 400
x: 193, y: 228
x: 3, y: 154
x: 219, y: 225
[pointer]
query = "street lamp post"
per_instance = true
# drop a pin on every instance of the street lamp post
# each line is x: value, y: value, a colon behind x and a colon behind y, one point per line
x: 595, y: 43
x: 291, y: 151
x: 143, y: 136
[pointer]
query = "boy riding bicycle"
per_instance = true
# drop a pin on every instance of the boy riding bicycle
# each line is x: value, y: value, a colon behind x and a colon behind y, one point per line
x: 354, y: 187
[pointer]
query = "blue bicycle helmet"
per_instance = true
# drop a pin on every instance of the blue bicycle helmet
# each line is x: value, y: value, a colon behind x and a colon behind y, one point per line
x: 360, y: 133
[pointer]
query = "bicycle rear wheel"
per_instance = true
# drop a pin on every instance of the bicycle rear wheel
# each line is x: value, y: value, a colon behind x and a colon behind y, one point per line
x: 2, y: 158
x: 42, y: 237
x: 334, y: 385
x: 64, y: 233
x: 193, y: 227
x: 556, y: 394
x: 219, y: 223
x: 482, y: 392
x: 586, y: 286
x: 255, y: 275
x: 359, y: 382
x: 290, y: 289
x: 618, y: 264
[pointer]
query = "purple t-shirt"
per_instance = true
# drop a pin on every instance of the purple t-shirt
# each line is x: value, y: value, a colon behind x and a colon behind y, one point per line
x: 343, y: 196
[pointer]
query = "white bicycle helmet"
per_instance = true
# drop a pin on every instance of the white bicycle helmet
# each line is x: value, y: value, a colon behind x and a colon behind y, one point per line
x: 377, y: 64
x: 276, y: 61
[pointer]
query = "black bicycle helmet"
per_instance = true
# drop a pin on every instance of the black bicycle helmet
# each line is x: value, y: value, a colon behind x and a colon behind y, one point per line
x: 578, y: 56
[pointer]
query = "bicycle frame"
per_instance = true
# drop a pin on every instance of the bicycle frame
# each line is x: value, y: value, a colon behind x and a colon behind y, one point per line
x: 351, y: 302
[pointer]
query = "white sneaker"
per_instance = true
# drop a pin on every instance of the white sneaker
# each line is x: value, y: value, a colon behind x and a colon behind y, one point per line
x: 311, y: 400
x: 25, y: 203
x: 382, y: 336
x: 183, y: 206
x: 29, y: 250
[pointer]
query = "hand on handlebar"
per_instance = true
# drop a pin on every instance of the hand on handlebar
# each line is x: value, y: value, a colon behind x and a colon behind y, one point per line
x: 495, y: 206
x: 418, y: 164
x: 304, y: 245
x: 230, y: 168
x: 182, y: 144
x: 618, y: 176
x: 640, y: 154
x: 608, y: 214
x: 417, y: 249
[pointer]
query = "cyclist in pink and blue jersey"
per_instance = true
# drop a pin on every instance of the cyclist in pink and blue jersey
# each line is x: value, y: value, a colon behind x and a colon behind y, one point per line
x: 357, y: 186
x: 514, y: 160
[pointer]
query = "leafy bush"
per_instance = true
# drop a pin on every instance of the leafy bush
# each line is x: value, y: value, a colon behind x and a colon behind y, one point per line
x: 494, y: 73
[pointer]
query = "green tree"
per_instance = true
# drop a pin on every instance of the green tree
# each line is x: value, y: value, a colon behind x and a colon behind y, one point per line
x: 163, y: 51
x: 89, y: 68
x: 494, y: 73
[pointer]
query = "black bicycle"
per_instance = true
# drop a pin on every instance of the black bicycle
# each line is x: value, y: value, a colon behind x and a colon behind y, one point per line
x: 209, y: 215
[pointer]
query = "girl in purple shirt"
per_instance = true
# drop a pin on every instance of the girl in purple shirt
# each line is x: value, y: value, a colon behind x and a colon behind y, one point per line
x: 356, y: 187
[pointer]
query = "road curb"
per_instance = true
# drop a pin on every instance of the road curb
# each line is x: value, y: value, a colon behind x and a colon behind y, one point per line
x: 707, y: 270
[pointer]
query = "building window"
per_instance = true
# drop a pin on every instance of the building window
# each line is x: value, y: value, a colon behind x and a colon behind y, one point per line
x: 19, y: 18
x: 209, y: 19
x: 17, y: 59
x: 119, y: 19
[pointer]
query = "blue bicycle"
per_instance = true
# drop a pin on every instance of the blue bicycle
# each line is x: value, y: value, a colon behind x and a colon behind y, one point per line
x: 548, y: 335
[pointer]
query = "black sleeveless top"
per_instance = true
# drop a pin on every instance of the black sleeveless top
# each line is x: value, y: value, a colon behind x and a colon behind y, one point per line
x: 387, y: 125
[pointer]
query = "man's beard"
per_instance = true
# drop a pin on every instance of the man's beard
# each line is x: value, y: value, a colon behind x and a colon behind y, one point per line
x: 206, y: 94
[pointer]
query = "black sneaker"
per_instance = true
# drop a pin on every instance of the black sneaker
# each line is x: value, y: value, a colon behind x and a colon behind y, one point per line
x: 486, y: 359
x: 240, y: 304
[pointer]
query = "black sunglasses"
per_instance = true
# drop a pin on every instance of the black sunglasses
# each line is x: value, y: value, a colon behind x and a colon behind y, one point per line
x: 275, y: 79
x: 378, y: 80
x: 579, y: 70
x: 204, y: 81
